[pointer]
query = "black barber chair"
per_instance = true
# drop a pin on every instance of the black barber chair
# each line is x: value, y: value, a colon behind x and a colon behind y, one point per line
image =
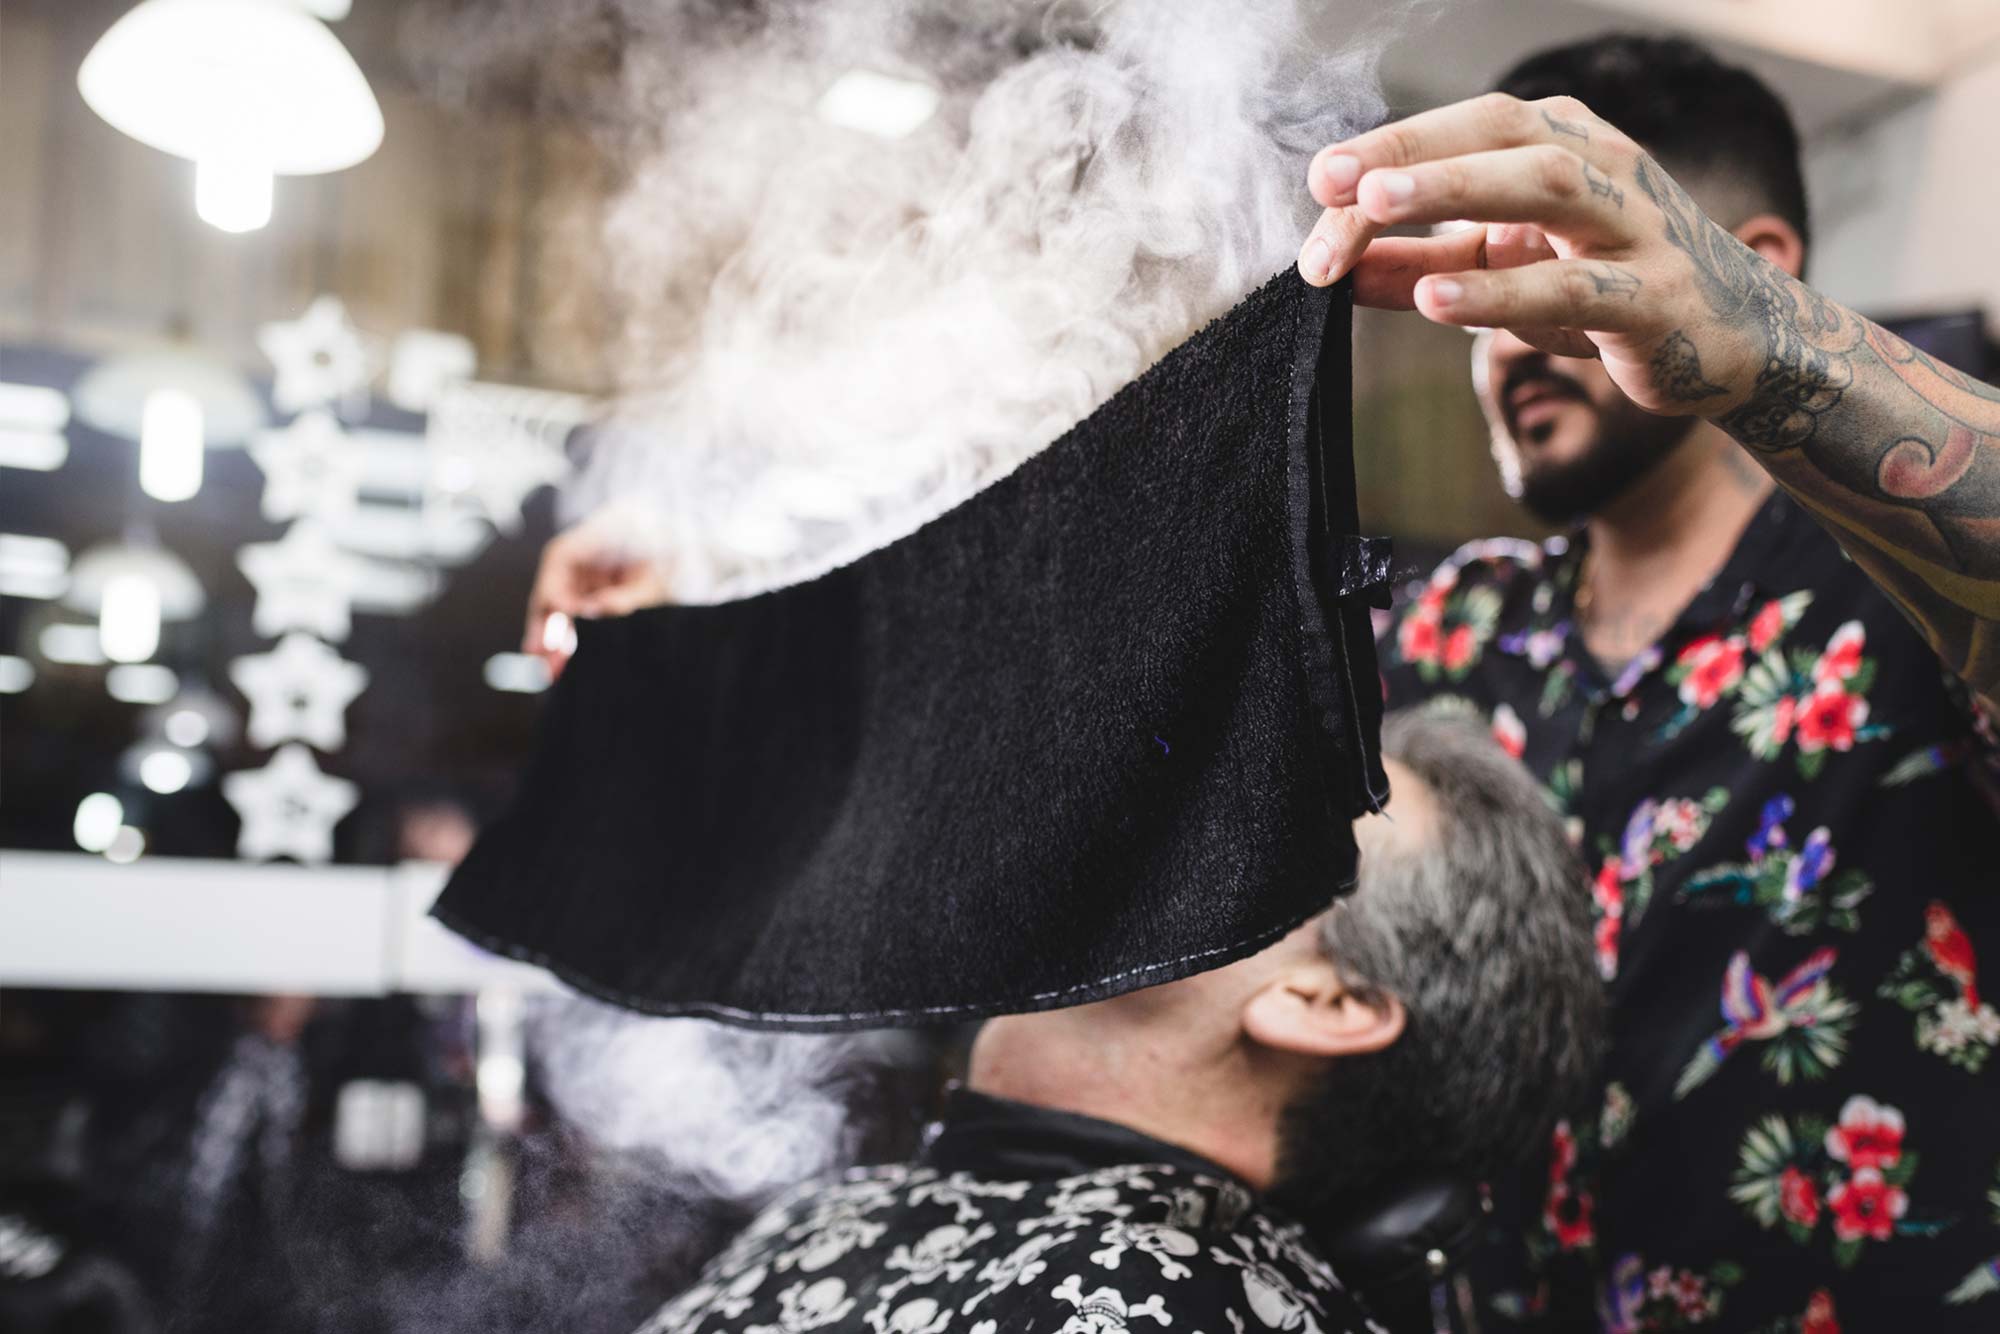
x: 1401, y: 1246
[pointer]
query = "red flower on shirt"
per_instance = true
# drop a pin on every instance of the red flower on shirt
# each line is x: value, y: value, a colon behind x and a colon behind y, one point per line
x: 1713, y: 666
x: 1829, y: 718
x: 1766, y: 626
x: 1509, y: 731
x: 1819, y: 1317
x: 1869, y: 1136
x: 1783, y: 714
x: 1842, y: 656
x: 1608, y: 893
x: 1420, y: 637
x: 1458, y: 647
x: 1567, y: 1212
x: 1798, y: 1198
x: 1866, y: 1205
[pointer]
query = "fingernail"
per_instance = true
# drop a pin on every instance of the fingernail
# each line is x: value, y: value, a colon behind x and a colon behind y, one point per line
x: 1396, y: 185
x: 1446, y: 292
x: 1340, y: 172
x: 1317, y: 259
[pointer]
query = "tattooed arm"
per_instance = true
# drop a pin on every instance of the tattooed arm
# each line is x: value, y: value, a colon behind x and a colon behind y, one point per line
x: 1591, y: 249
x: 1898, y: 455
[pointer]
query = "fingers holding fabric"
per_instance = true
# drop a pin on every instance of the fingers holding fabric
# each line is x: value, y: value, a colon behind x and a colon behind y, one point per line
x: 1480, y: 124
x: 1591, y: 294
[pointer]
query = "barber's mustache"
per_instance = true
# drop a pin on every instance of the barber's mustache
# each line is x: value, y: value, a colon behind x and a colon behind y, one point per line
x: 1540, y: 376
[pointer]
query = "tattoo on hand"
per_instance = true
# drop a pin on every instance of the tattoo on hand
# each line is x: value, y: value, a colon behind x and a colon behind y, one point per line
x: 1900, y: 455
x: 1601, y: 186
x: 1676, y: 369
x: 1801, y: 379
x: 1610, y: 281
x: 1568, y: 127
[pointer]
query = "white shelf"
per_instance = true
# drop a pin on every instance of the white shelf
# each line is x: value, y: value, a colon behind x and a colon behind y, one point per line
x: 179, y: 924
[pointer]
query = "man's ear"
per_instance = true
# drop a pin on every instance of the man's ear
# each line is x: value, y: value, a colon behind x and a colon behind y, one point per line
x: 1776, y: 240
x: 1310, y: 1011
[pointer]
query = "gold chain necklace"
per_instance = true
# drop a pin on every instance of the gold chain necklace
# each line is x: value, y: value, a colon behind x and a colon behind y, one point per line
x: 1582, y: 597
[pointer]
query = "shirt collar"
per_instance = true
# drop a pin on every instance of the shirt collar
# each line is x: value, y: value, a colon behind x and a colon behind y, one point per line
x: 1001, y: 1139
x: 1765, y: 546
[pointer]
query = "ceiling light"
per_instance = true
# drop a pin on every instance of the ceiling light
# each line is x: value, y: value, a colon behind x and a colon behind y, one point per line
x: 128, y: 618
x: 180, y: 592
x: 32, y: 418
x: 141, y: 683
x: 98, y: 817
x: 16, y: 674
x: 125, y: 846
x: 71, y: 645
x: 244, y: 89
x: 33, y: 567
x: 878, y: 104
x: 186, y: 727
x: 170, y: 445
x: 114, y: 395
x: 165, y: 771
x: 232, y: 193
x: 196, y: 716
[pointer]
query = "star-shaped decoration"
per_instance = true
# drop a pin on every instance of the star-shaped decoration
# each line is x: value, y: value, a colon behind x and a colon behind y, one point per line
x: 299, y: 691
x: 310, y: 468
x: 493, y: 445
x: 288, y: 807
x: 303, y: 582
x: 320, y: 357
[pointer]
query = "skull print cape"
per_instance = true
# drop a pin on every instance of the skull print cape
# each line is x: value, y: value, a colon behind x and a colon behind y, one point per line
x: 1102, y: 725
x: 922, y: 1249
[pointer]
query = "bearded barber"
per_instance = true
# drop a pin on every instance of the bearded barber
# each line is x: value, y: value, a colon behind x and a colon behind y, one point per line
x: 1770, y: 750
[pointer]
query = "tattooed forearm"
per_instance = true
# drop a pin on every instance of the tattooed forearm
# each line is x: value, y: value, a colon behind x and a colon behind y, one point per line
x: 1601, y: 186
x: 1899, y: 456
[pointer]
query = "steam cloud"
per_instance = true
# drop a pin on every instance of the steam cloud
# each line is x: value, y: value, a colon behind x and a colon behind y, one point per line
x: 831, y: 338
x: 735, y: 1114
x: 828, y: 338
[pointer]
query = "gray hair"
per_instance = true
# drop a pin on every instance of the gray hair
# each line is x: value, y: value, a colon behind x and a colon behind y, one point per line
x: 1484, y: 934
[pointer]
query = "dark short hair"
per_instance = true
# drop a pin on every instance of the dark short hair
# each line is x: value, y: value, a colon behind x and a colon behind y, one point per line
x: 1709, y: 123
x: 1484, y: 933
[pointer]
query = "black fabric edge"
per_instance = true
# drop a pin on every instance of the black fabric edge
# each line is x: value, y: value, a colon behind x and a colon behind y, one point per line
x: 1337, y: 715
x: 1171, y: 970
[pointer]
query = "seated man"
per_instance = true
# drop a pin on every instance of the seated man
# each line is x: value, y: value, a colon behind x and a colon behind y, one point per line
x: 1168, y: 1158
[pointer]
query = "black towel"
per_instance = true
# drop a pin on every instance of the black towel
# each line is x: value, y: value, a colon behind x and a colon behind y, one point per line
x: 1101, y: 726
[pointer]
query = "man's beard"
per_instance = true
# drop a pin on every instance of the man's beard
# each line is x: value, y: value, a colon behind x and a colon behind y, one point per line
x: 1623, y: 452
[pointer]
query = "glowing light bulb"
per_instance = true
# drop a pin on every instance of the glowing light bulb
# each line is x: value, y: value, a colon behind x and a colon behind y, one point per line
x: 165, y: 771
x: 232, y: 194
x: 141, y: 683
x: 186, y: 728
x: 125, y: 845
x: 128, y: 623
x: 170, y: 444
x: 98, y: 818
x: 878, y: 104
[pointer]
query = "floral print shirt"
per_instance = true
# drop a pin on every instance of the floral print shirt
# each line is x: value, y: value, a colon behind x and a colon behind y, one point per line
x: 1783, y: 807
x: 1021, y: 1220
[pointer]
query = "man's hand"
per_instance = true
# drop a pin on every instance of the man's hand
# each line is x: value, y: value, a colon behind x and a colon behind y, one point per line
x: 1584, y: 246
x: 587, y: 571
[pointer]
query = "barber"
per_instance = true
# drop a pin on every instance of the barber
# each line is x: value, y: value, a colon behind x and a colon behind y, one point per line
x: 1770, y: 751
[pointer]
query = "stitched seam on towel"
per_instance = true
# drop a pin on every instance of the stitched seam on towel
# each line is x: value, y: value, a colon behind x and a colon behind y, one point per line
x: 886, y: 1018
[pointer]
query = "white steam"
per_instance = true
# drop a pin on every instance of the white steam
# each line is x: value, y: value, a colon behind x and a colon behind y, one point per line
x: 832, y: 337
x: 733, y: 1113
x: 827, y: 337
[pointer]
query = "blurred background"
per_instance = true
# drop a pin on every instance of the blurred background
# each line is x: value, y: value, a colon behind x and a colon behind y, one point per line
x: 307, y: 308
